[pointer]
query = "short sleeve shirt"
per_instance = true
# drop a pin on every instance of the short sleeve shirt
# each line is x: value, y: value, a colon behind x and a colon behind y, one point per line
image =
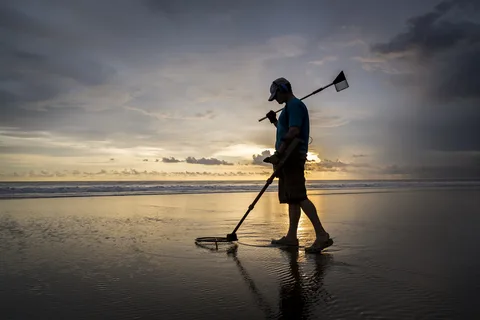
x: 295, y: 114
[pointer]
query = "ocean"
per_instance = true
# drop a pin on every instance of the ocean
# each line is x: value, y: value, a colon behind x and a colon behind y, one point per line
x: 37, y: 189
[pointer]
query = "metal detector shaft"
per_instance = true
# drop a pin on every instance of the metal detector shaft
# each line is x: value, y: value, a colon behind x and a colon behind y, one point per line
x: 289, y: 150
x: 311, y: 94
x: 250, y: 208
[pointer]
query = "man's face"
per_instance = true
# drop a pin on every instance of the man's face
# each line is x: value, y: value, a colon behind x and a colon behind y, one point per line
x: 281, y: 97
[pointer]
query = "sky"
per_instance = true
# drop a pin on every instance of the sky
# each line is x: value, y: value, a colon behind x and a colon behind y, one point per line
x: 146, y: 89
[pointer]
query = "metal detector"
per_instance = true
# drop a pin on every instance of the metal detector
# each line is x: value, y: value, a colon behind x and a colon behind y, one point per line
x: 340, y: 84
x: 233, y: 236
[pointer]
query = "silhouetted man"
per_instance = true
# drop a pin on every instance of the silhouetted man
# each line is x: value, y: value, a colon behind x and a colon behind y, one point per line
x: 293, y: 122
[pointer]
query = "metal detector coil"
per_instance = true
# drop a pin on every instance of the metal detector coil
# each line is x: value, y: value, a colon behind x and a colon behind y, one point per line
x: 215, y: 240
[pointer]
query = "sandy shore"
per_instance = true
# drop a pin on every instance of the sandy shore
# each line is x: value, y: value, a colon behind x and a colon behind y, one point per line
x: 397, y: 255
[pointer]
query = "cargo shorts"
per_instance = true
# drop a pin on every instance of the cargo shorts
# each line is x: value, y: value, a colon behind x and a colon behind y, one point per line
x: 291, y: 179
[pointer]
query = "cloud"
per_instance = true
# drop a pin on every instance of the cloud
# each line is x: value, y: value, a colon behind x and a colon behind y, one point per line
x: 289, y: 45
x: 209, y: 114
x: 324, y: 60
x: 81, y: 83
x: 376, y: 63
x: 431, y: 33
x: 442, y: 42
x: 170, y: 160
x: 125, y: 173
x: 258, y: 158
x: 211, y: 161
x: 438, y: 61
x: 326, y: 165
x: 359, y: 155
x: 73, y: 72
x: 35, y: 70
x: 317, y: 119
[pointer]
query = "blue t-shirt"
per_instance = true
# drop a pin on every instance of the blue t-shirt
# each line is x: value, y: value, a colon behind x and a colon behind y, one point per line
x: 295, y: 114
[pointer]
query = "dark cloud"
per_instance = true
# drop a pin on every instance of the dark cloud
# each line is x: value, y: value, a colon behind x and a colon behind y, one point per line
x: 359, y: 155
x: 428, y: 35
x: 211, y: 161
x: 52, y: 53
x: 36, y: 66
x: 446, y: 43
x: 79, y: 122
x: 434, y: 33
x: 170, y: 160
x: 13, y: 19
x: 442, y: 51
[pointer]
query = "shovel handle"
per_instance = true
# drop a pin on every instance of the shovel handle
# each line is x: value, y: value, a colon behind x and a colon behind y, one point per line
x: 311, y: 94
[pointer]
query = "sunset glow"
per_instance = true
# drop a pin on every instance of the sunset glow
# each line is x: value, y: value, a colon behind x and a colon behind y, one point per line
x: 181, y: 90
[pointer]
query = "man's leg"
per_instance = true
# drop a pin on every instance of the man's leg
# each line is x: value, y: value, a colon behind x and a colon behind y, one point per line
x: 299, y: 190
x: 294, y: 216
x: 295, y: 193
x: 323, y: 239
x: 293, y: 212
x: 309, y: 208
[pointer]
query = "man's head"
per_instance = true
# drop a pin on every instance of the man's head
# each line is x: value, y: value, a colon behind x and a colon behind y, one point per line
x: 280, y: 90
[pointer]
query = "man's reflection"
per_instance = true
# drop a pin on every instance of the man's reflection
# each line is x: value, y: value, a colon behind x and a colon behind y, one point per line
x: 299, y: 293
x: 292, y: 302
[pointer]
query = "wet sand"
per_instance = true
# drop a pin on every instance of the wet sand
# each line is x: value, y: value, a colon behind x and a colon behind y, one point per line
x: 397, y: 255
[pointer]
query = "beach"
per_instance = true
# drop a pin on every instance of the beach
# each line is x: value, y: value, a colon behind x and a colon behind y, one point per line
x: 397, y: 254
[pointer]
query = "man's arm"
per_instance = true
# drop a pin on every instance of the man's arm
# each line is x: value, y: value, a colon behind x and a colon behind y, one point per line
x: 292, y: 133
x: 295, y: 122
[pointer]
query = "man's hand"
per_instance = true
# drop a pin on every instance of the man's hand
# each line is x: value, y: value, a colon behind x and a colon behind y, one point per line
x: 272, y: 116
x: 274, y: 159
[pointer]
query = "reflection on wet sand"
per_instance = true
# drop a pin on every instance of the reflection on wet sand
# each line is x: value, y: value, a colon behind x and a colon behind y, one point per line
x: 300, y: 293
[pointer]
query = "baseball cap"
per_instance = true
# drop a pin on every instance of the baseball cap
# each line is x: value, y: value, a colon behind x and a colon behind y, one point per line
x: 277, y: 84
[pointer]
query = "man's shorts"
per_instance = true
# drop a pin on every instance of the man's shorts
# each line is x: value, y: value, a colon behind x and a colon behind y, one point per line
x: 291, y: 179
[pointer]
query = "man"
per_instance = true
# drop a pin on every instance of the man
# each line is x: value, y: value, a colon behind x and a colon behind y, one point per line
x: 293, y: 122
